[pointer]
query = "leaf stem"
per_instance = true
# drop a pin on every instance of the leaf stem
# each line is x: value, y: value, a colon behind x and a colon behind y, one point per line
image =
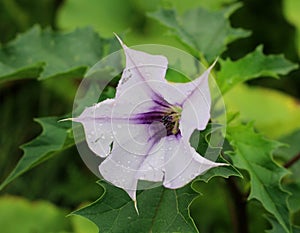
x: 239, y: 211
x: 292, y: 161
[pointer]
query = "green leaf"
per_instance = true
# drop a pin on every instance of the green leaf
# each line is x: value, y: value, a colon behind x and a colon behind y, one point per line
x: 97, y: 14
x: 291, y: 9
x: 161, y: 210
x: 253, y: 65
x: 294, y: 199
x: 82, y: 225
x: 269, y: 109
x: 55, y: 137
x: 193, y: 30
x: 45, y: 54
x: 277, y: 228
x: 222, y: 171
x: 21, y: 216
x: 252, y: 153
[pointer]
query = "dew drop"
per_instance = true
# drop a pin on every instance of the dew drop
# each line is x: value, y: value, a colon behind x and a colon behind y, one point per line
x: 119, y: 126
x: 102, y: 137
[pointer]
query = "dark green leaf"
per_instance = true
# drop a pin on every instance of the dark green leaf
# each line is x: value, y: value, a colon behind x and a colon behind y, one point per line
x: 222, y: 171
x: 161, y: 210
x: 46, y: 54
x: 253, y: 65
x: 204, y: 32
x: 277, y: 228
x: 56, y: 137
x: 252, y: 153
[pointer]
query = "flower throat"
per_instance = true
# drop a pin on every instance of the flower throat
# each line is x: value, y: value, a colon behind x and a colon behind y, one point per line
x: 171, y: 120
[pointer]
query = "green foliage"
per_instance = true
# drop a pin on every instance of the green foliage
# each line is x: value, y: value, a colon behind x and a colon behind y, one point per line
x: 27, y: 214
x: 253, y: 65
x: 76, y: 13
x: 160, y: 210
x: 222, y: 171
x: 291, y: 10
x: 49, y: 218
x: 55, y: 138
x: 277, y: 228
x: 82, y: 225
x: 45, y: 54
x: 252, y: 153
x: 193, y: 30
x: 206, y: 34
x: 268, y: 108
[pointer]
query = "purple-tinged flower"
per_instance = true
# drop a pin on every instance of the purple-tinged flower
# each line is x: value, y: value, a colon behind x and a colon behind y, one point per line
x: 143, y: 133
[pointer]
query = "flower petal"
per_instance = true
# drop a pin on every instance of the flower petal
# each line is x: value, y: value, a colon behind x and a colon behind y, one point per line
x: 196, y: 105
x: 183, y: 163
x: 141, y: 68
x: 96, y: 121
x: 125, y: 165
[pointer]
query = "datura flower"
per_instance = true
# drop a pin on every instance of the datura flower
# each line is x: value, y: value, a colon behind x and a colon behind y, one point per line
x: 143, y: 133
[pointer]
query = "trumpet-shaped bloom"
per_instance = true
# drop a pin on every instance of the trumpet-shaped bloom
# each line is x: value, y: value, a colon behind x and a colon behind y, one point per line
x: 143, y: 133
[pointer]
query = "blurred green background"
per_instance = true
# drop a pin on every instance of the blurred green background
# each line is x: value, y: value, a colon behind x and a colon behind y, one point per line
x: 65, y: 181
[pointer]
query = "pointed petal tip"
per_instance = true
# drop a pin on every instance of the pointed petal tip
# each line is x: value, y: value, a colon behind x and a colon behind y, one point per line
x: 66, y: 119
x: 213, y: 64
x: 120, y: 41
x: 136, y: 207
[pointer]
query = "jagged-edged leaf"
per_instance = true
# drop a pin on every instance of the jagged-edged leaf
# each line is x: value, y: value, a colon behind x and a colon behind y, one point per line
x: 44, y: 53
x: 252, y: 153
x: 192, y: 29
x: 294, y: 199
x: 277, y: 228
x: 289, y: 155
x: 160, y: 210
x: 55, y: 137
x: 253, y: 65
x: 221, y: 171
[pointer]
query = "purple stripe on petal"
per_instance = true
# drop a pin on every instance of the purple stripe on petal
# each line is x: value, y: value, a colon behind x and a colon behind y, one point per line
x: 148, y: 117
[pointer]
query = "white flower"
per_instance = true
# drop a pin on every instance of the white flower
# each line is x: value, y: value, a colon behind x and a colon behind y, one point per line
x: 144, y: 132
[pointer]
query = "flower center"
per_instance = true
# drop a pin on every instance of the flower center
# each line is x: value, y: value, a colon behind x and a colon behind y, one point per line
x: 171, y: 120
x: 168, y: 118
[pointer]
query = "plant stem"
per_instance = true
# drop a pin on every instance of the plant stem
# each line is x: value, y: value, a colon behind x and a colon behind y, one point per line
x: 292, y: 161
x: 239, y: 213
